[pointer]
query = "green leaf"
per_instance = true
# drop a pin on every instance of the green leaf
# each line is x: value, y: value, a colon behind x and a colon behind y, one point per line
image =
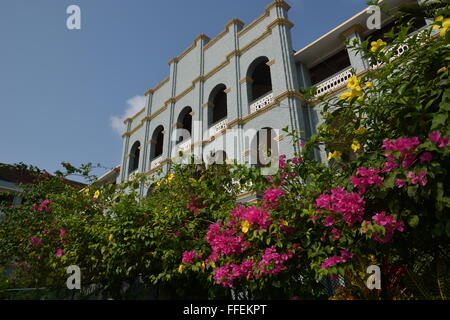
x: 413, y: 221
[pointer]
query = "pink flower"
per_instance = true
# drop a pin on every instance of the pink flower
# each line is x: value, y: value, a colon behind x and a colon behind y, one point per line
x: 282, y: 162
x: 188, y: 256
x: 328, y: 221
x: 389, y: 223
x: 444, y: 142
x: 272, y: 196
x: 296, y: 160
x: 434, y: 137
x: 195, y: 205
x: 426, y: 157
x: 345, y: 256
x: 302, y: 144
x: 349, y: 204
x: 366, y: 177
x: 35, y: 241
x: 418, y: 179
x: 336, y: 233
x: 423, y: 178
x: 59, y: 252
x: 272, y: 262
x: 400, y: 183
x: 62, y: 232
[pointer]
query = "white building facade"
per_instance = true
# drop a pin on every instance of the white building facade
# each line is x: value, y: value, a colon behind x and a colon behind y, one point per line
x: 228, y: 97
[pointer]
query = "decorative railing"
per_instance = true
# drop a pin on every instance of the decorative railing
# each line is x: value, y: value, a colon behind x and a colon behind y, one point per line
x: 399, y: 50
x: 156, y: 162
x: 335, y: 82
x: 219, y: 126
x: 261, y: 102
x: 184, y: 146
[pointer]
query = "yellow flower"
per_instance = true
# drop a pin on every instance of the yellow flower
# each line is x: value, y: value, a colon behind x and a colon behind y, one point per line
x: 356, y: 146
x: 445, y: 27
x: 180, y: 268
x: 443, y: 24
x: 110, y: 238
x: 97, y: 194
x: 369, y: 85
x: 438, y: 19
x: 170, y: 177
x: 203, y: 266
x: 335, y: 154
x: 353, y: 82
x: 347, y: 95
x: 213, y: 264
x: 158, y: 183
x: 377, y: 45
x: 285, y: 223
x: 86, y: 192
x: 245, y: 226
x: 360, y: 131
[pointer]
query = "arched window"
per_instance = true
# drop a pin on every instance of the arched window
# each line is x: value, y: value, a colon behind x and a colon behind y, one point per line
x: 157, y: 143
x: 185, y: 122
x: 218, y: 99
x: 266, y: 147
x: 261, y: 84
x: 134, y: 157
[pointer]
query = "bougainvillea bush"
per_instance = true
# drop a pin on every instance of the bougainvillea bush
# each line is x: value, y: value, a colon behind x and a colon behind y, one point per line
x: 381, y: 198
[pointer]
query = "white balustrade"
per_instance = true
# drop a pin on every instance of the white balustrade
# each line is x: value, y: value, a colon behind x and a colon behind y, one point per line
x: 215, y: 129
x: 334, y: 82
x: 184, y: 146
x: 156, y: 163
x: 261, y: 102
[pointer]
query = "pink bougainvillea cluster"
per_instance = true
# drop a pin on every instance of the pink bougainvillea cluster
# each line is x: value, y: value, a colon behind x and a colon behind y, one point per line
x: 365, y: 178
x: 272, y: 262
x: 389, y: 223
x: 43, y: 206
x: 349, y: 204
x: 224, y: 241
x: 195, y: 205
x: 344, y: 257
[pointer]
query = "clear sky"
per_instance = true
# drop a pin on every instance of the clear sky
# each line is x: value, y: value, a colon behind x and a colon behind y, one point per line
x: 63, y: 93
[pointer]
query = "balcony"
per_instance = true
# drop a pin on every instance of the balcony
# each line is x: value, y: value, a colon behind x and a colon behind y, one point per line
x: 184, y: 146
x: 335, y: 82
x: 218, y: 127
x: 261, y: 102
x: 156, y: 162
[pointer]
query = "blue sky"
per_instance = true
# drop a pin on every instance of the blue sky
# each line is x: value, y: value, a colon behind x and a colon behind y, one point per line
x: 63, y: 92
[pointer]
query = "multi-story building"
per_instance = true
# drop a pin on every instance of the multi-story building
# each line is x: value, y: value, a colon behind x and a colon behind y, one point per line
x: 230, y: 96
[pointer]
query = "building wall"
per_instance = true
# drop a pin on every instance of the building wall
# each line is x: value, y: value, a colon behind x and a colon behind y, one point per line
x: 226, y: 59
x: 223, y: 60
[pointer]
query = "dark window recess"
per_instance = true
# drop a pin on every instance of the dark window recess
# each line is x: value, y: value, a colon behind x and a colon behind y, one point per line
x: 134, y: 160
x: 262, y: 82
x: 185, y: 119
x: 159, y: 144
x: 329, y: 67
x: 265, y: 147
x: 220, y: 106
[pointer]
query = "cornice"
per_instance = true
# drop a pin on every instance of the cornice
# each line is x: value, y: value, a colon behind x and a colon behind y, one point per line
x: 152, y: 91
x: 223, y: 33
x: 135, y: 116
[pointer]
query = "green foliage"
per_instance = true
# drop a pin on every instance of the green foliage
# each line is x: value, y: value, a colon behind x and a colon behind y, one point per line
x: 114, y: 235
